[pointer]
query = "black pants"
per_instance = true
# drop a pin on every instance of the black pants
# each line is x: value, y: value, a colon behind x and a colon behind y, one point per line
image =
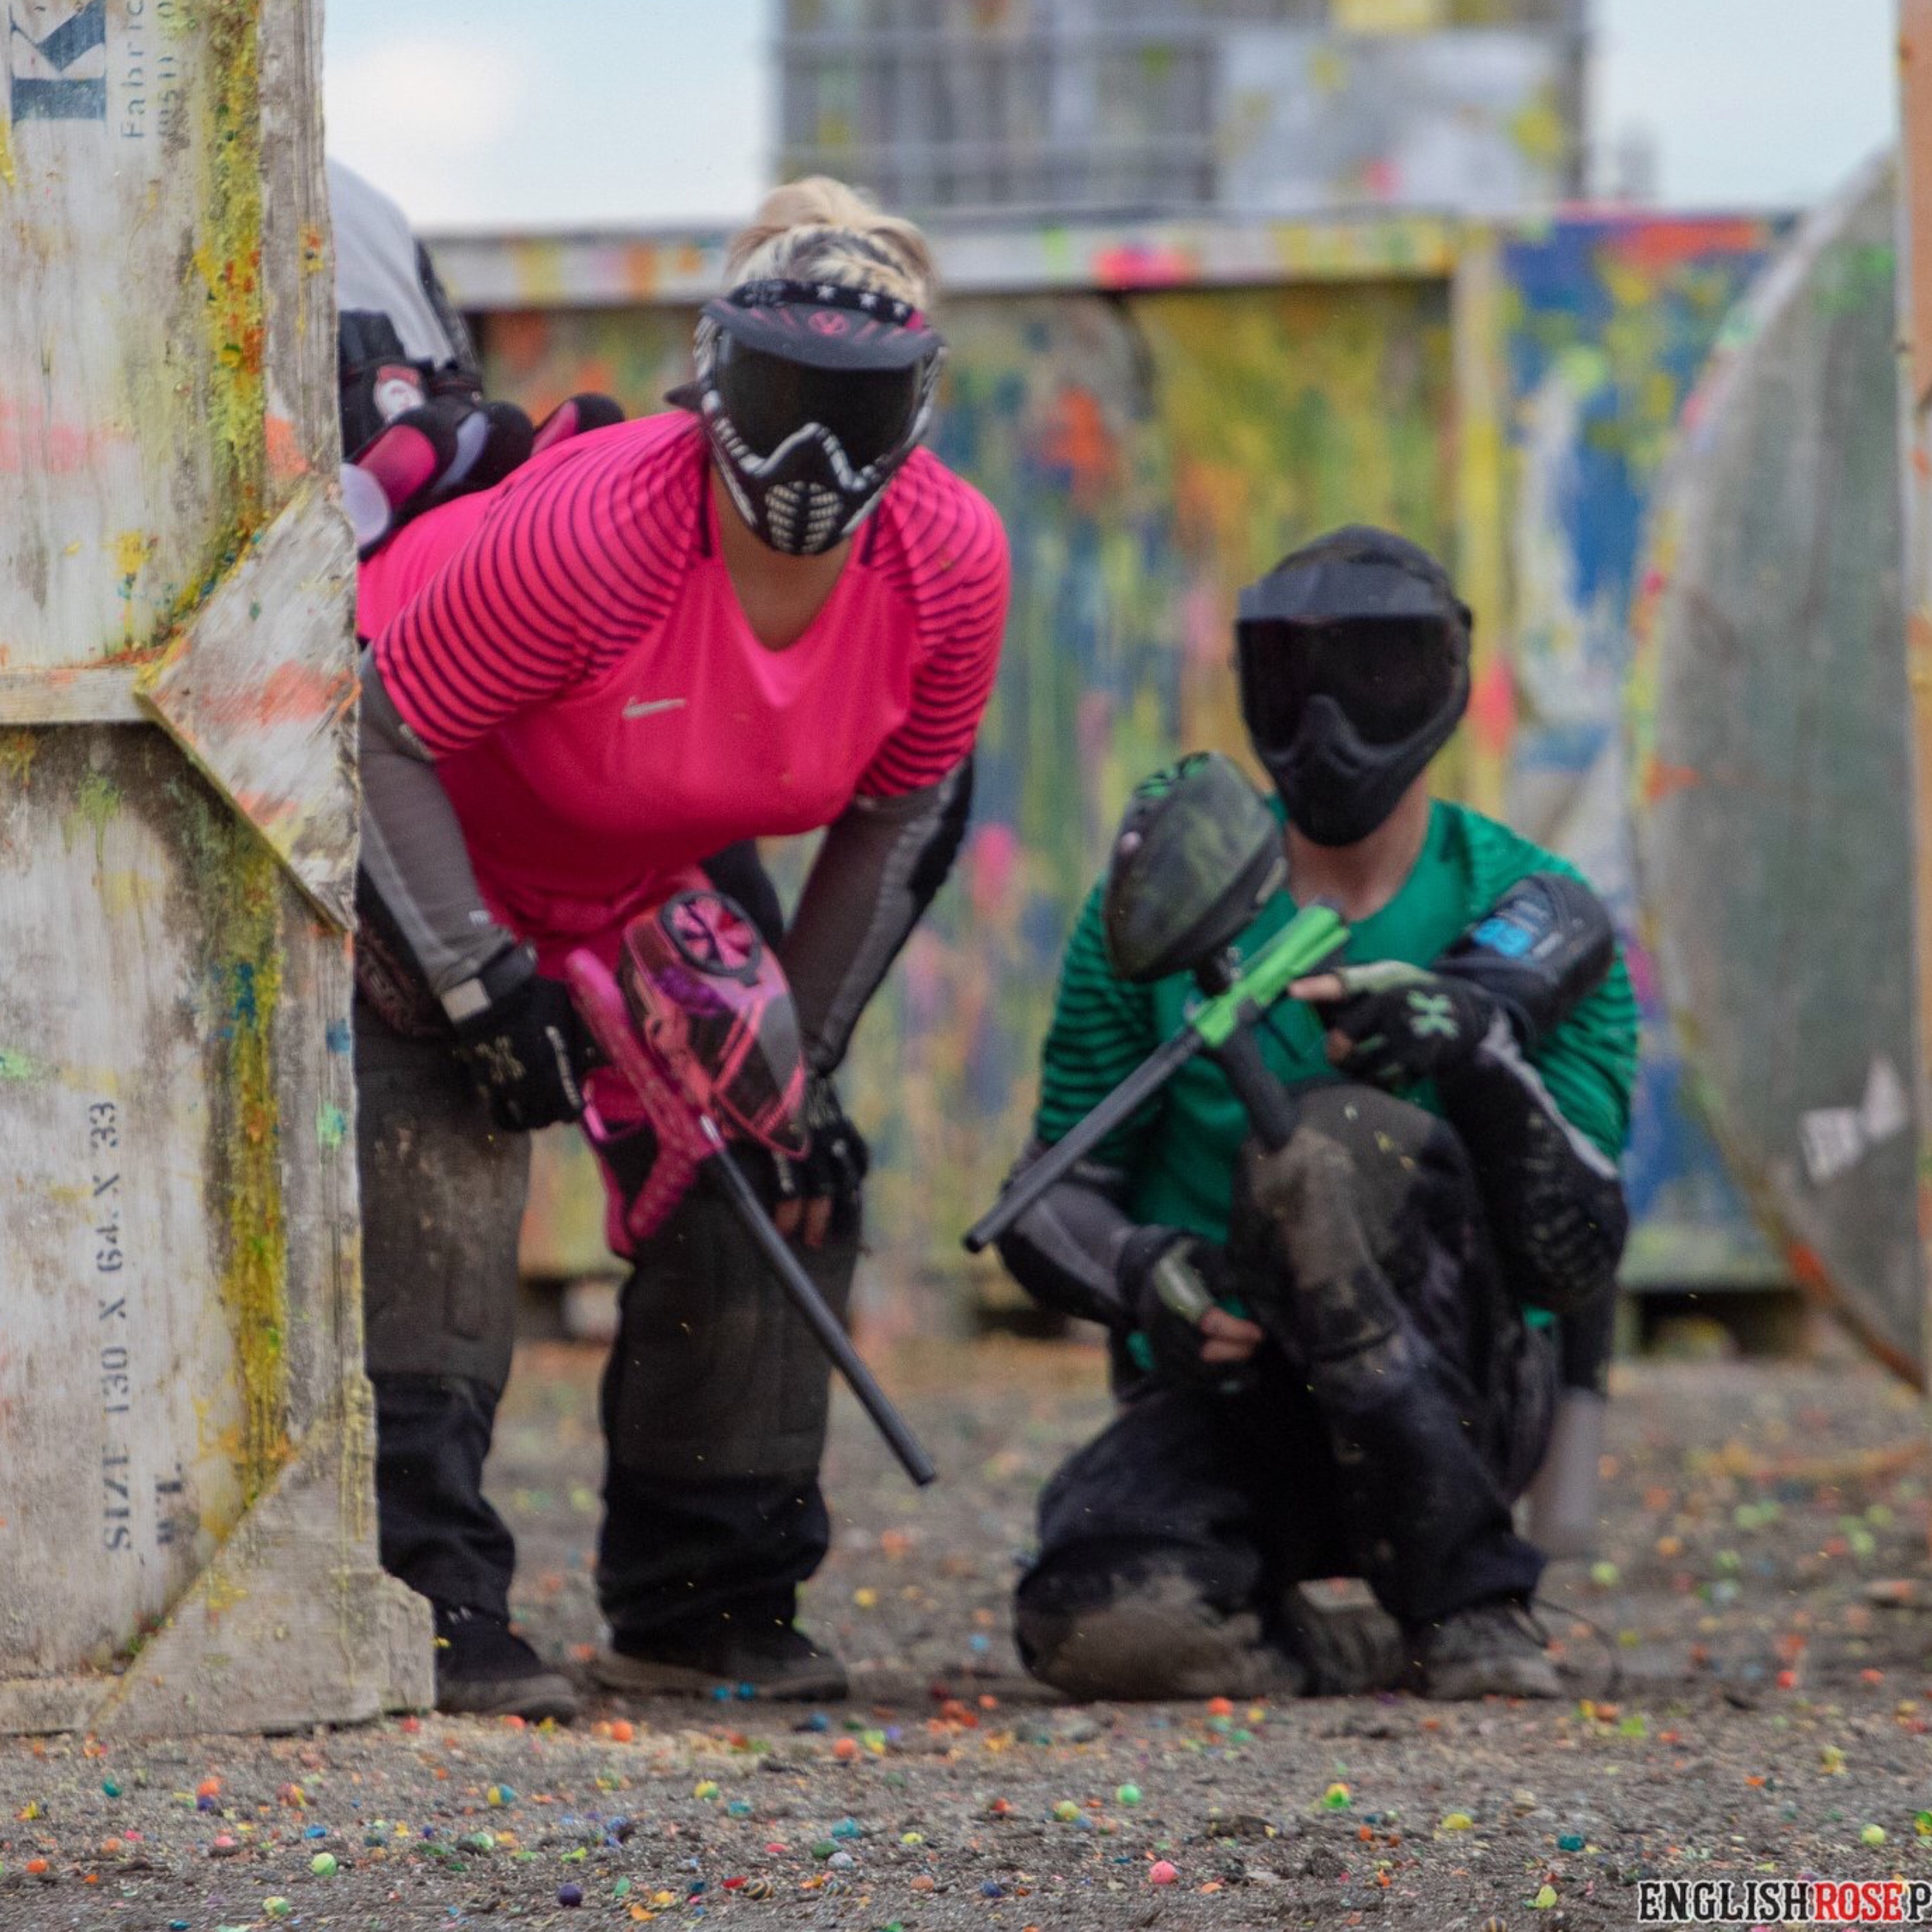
x: 443, y: 1195
x: 1397, y: 1409
x: 715, y: 1405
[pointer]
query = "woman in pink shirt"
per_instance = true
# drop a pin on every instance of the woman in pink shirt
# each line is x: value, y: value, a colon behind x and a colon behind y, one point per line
x: 768, y: 613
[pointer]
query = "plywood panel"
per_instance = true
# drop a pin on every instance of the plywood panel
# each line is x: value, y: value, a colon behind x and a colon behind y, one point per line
x: 185, y: 1443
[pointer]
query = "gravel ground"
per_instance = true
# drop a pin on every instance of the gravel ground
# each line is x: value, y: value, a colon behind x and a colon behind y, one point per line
x: 1758, y: 1703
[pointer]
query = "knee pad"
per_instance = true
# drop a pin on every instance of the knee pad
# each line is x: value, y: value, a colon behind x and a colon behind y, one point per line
x: 1385, y: 1158
x: 1146, y: 1631
x: 714, y: 1374
x: 443, y: 1195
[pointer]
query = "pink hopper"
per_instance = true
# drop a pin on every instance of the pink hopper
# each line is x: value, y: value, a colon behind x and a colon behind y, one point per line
x: 699, y: 1023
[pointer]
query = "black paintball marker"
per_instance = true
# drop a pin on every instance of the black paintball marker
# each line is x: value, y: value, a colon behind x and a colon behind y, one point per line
x: 1197, y: 857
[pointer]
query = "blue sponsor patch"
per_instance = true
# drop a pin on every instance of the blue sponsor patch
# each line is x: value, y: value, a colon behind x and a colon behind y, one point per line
x: 1503, y: 935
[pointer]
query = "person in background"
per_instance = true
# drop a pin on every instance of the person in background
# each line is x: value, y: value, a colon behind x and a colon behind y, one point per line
x: 767, y: 612
x: 1336, y: 1359
x: 416, y: 430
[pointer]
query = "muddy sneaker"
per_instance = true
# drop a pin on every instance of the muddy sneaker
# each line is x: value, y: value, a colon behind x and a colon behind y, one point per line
x: 782, y: 1663
x: 1490, y: 1650
x: 484, y: 1669
x: 1349, y: 1648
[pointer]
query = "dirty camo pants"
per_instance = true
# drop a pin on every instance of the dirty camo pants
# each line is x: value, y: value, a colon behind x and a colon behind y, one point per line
x: 1399, y: 1408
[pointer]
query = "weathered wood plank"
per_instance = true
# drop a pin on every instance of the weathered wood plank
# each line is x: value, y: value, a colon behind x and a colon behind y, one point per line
x: 113, y: 456
x: 122, y: 1395
x: 259, y: 690
x: 1914, y: 243
x: 100, y: 694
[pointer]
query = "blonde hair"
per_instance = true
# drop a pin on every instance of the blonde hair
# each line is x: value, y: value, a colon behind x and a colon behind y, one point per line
x: 821, y: 230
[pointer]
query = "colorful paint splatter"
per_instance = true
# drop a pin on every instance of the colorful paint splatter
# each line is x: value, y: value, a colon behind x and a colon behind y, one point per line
x: 1609, y: 321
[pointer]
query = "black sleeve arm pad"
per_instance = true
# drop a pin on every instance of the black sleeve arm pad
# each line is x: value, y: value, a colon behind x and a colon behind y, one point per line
x: 1065, y: 1249
x: 414, y: 861
x: 1545, y: 946
x: 740, y: 874
x: 883, y: 860
x: 1555, y: 1203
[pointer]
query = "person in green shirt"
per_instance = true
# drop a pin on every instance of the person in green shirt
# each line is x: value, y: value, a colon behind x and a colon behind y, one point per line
x: 1452, y: 1186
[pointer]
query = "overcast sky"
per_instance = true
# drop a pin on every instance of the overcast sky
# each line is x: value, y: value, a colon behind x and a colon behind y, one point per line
x: 482, y: 112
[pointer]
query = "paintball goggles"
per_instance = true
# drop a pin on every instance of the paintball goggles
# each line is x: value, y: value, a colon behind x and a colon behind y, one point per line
x: 1197, y: 857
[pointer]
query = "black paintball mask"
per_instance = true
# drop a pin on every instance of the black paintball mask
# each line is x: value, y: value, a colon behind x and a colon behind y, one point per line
x: 813, y: 395
x: 1353, y: 661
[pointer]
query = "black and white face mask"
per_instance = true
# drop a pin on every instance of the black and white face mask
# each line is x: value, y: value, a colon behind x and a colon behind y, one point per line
x: 813, y: 397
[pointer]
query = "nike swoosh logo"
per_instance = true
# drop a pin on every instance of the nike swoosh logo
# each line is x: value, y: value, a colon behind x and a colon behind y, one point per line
x: 649, y: 707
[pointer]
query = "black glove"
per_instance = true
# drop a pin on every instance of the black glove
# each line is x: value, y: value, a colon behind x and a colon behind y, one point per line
x: 524, y: 1047
x: 588, y: 409
x: 1170, y: 1281
x: 1401, y: 1024
x: 834, y: 1163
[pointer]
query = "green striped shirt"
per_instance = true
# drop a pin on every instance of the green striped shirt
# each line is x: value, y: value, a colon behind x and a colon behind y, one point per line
x: 1179, y: 1152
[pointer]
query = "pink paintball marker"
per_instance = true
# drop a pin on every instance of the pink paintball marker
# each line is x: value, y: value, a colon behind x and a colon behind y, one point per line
x: 699, y: 1025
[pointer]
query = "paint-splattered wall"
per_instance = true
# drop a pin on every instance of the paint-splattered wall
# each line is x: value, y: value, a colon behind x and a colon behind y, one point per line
x: 1149, y: 451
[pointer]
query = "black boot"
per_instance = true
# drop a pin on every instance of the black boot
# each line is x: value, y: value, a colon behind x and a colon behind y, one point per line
x: 484, y: 1669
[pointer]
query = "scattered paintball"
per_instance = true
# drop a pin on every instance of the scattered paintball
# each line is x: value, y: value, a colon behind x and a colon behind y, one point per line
x: 1066, y: 1812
